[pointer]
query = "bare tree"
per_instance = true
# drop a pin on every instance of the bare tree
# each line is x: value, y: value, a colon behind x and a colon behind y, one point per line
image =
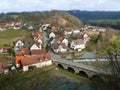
x: 111, y: 51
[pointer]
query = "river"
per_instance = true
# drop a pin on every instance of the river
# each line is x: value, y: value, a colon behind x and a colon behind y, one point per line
x: 59, y: 79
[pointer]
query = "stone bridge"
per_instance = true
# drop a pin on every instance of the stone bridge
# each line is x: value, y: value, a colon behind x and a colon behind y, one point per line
x: 81, y: 69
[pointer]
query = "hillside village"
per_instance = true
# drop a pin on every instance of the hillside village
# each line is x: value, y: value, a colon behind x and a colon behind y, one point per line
x: 15, y: 26
x: 48, y: 37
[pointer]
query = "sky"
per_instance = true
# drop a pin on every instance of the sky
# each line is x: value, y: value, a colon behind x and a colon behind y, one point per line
x: 43, y: 5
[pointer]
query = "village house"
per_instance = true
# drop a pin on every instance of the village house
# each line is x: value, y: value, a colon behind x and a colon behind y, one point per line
x: 11, y: 24
x: 37, y: 36
x: 101, y: 29
x: 1, y: 50
x: 54, y: 28
x: 5, y: 49
x: 86, y: 27
x: 59, y: 47
x: 18, y: 45
x: 16, y: 27
x: 60, y: 39
x: 65, y: 41
x: 45, y: 26
x: 18, y: 59
x: 4, y: 25
x: 25, y: 52
x: 36, y: 46
x: 36, y: 61
x: 52, y: 35
x: 29, y: 27
x: 2, y: 28
x: 18, y: 23
x: 86, y: 37
x: 77, y: 44
x: 68, y: 32
x: 39, y: 41
x: 4, y: 67
x: 75, y: 30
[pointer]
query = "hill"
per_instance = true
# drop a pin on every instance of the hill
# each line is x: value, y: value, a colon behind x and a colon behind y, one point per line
x: 105, y: 23
x: 95, y: 15
x: 55, y: 17
x: 100, y: 18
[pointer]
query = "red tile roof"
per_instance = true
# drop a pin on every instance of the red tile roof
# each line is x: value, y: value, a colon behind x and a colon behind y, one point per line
x: 38, y: 52
x: 56, y: 45
x: 35, y: 59
x: 38, y: 35
x: 69, y: 30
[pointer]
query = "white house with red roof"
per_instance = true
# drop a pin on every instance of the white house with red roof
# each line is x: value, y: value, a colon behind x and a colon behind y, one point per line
x: 52, y: 35
x: 68, y: 32
x: 77, y: 44
x: 59, y: 47
x: 75, y: 30
x: 45, y: 26
x: 2, y: 28
x: 37, y: 61
x: 1, y: 50
x: 54, y: 28
x: 18, y: 23
x: 11, y: 24
x: 16, y: 27
x: 36, y: 46
x: 4, y: 67
x: 18, y: 45
x: 86, y: 37
x: 65, y: 41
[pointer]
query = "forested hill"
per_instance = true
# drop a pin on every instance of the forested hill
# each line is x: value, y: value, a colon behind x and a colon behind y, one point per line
x: 99, y: 18
x: 54, y: 16
x: 95, y: 15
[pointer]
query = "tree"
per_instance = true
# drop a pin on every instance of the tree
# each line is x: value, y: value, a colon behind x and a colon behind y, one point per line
x: 11, y: 52
x: 47, y: 48
x: 112, y: 53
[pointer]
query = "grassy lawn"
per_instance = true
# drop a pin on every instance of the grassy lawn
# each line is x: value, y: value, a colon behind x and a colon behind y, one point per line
x: 3, y: 57
x: 8, y: 36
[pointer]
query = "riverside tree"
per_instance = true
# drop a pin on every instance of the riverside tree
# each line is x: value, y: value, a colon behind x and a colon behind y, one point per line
x: 112, y: 53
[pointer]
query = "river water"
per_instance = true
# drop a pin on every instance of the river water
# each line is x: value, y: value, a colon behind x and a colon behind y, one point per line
x: 59, y: 79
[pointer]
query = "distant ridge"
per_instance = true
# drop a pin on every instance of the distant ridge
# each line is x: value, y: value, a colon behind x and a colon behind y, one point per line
x: 54, y: 16
x: 99, y: 18
x: 95, y: 15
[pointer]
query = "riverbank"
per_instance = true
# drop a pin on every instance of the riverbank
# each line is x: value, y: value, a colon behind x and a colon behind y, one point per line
x: 47, y: 78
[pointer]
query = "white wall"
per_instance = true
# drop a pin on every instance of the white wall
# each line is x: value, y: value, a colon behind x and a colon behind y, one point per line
x: 38, y: 65
x: 35, y: 47
x: 19, y: 43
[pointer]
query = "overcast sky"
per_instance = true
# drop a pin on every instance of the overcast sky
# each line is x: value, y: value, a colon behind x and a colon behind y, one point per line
x: 41, y: 5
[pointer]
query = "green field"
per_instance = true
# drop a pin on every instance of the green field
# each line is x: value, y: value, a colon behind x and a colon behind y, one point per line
x: 8, y: 36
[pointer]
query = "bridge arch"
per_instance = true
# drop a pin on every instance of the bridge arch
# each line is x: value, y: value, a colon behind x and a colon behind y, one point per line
x: 83, y: 73
x: 70, y: 69
x: 60, y: 66
x: 97, y: 78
